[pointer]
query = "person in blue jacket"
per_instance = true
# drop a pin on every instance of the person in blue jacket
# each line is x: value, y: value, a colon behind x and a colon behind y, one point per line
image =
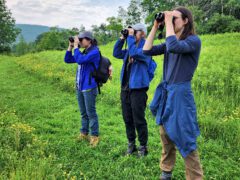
x: 173, y: 103
x: 134, y: 85
x: 86, y: 85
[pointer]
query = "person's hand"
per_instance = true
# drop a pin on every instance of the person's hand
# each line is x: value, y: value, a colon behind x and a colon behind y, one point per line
x: 168, y: 16
x: 156, y: 24
x: 76, y: 42
x: 130, y: 31
x: 110, y: 69
x: 169, y: 23
x: 70, y: 46
x: 131, y: 60
x: 122, y: 37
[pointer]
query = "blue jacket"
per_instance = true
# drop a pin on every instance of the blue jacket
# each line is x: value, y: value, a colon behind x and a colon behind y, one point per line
x: 139, y: 76
x: 174, y: 107
x: 85, y: 63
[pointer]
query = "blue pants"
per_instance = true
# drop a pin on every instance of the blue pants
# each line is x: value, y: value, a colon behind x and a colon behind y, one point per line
x: 89, y: 117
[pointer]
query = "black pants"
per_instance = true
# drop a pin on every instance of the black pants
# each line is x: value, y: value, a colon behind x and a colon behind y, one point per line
x: 133, y: 111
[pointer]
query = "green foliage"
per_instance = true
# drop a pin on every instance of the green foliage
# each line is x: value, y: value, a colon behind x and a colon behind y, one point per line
x: 222, y: 23
x: 216, y: 16
x: 114, y: 26
x: 8, y: 32
x: 22, y: 47
x: 134, y: 13
x: 54, y: 39
x: 101, y: 33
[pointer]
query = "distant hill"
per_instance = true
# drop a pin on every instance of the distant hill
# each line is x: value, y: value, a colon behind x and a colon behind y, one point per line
x: 30, y: 32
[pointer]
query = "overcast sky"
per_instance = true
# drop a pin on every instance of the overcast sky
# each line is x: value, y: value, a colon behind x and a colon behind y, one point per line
x: 64, y: 13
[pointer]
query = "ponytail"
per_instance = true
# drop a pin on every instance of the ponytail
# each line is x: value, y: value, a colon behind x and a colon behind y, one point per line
x: 94, y: 42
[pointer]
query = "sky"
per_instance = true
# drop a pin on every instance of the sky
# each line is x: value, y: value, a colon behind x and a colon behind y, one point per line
x: 64, y: 13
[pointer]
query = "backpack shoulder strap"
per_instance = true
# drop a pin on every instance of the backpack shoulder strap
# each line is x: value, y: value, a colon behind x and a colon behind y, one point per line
x: 95, y: 69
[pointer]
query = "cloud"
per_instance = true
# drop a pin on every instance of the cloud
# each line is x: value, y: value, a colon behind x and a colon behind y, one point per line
x: 64, y: 13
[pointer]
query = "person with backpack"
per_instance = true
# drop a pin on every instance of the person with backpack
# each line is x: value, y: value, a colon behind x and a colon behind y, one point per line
x: 86, y: 86
x: 137, y: 72
x: 173, y: 103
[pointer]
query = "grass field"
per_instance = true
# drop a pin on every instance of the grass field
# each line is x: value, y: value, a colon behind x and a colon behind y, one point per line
x: 39, y: 118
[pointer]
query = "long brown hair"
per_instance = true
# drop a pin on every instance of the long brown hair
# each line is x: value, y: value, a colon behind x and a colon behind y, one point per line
x: 189, y: 27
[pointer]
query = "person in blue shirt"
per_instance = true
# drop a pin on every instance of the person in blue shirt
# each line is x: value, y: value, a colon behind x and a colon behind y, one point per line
x: 173, y: 103
x: 134, y: 85
x: 86, y: 85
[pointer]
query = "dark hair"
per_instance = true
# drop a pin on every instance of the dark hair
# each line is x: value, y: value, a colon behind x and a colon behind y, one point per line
x: 93, y: 41
x: 189, y: 27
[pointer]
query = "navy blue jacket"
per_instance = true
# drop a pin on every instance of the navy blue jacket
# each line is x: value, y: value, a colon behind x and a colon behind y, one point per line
x: 139, y: 77
x: 85, y: 63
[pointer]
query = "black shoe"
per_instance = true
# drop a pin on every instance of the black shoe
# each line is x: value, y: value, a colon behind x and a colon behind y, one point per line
x: 131, y: 148
x: 166, y: 176
x: 142, y: 151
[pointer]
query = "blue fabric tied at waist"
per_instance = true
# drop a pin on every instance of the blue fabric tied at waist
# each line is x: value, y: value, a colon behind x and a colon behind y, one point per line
x: 159, y: 101
x: 174, y: 107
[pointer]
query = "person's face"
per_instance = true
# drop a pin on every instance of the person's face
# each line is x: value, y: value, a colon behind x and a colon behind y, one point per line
x: 85, y: 43
x: 139, y: 35
x: 179, y: 23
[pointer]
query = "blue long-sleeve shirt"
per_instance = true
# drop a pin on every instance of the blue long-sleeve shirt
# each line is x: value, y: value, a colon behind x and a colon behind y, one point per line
x: 86, y: 62
x: 180, y: 57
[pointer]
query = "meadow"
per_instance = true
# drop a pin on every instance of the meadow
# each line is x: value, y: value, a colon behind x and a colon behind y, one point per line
x: 40, y: 119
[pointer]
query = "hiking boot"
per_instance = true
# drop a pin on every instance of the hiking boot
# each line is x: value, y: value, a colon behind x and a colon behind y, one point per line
x: 83, y: 137
x: 142, y: 151
x: 131, y: 148
x: 166, y: 176
x: 94, y: 140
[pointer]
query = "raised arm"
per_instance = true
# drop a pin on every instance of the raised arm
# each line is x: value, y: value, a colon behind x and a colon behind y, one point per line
x: 69, y: 57
x: 134, y: 51
x: 188, y: 45
x: 148, y: 47
x: 149, y: 42
x: 156, y: 50
x: 117, y: 50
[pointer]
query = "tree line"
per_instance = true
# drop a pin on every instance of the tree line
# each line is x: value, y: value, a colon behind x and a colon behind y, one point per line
x: 210, y: 16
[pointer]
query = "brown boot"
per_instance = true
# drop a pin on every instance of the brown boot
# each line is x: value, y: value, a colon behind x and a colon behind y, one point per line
x: 83, y: 137
x: 94, y: 140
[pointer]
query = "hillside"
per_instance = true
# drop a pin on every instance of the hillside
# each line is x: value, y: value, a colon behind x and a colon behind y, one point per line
x: 30, y: 32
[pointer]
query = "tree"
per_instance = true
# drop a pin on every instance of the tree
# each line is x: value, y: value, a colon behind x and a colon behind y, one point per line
x: 82, y: 28
x: 122, y: 15
x: 101, y: 33
x: 221, y: 23
x: 209, y: 15
x: 8, y: 31
x: 55, y: 39
x: 114, y: 26
x: 22, y: 47
x: 134, y: 13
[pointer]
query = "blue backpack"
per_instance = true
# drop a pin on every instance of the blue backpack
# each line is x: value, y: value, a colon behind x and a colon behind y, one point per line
x: 151, y: 69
